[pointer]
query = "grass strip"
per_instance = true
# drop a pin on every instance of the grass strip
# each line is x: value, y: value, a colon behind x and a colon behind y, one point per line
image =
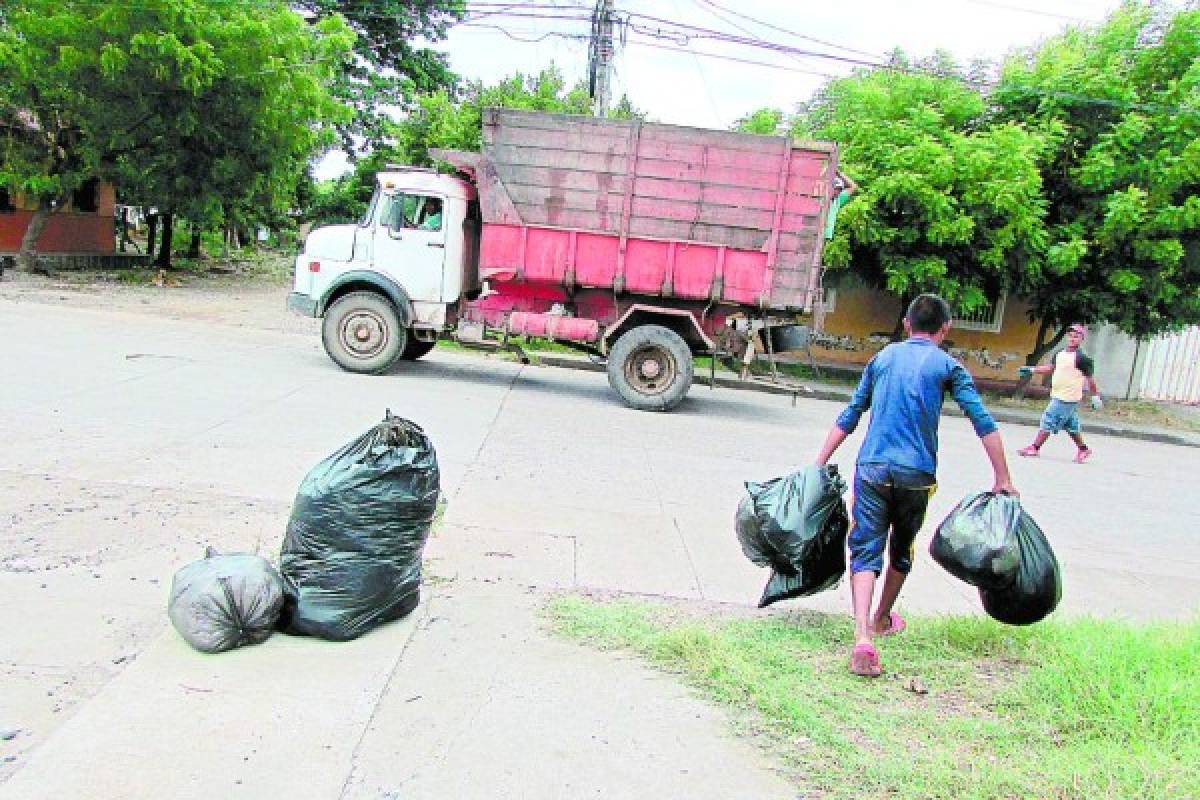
x: 968, y: 708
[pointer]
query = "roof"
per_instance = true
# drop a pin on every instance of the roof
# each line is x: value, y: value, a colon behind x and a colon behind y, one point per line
x: 422, y: 179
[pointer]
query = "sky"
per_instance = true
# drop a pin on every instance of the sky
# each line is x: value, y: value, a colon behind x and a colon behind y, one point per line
x: 684, y: 86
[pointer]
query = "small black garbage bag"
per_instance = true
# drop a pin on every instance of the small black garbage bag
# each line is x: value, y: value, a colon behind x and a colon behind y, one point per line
x: 796, y: 525
x: 1037, y: 588
x: 225, y: 601
x: 977, y: 542
x: 351, y: 559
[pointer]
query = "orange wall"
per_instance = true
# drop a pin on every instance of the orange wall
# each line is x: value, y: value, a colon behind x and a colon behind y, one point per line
x: 863, y: 319
x: 66, y: 231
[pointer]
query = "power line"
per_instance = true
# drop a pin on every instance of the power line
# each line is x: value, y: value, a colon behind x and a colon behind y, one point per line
x: 1023, y: 10
x: 712, y: 102
x: 773, y: 27
x: 657, y: 46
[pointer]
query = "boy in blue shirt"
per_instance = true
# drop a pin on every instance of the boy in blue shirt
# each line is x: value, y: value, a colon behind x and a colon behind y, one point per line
x: 903, y: 385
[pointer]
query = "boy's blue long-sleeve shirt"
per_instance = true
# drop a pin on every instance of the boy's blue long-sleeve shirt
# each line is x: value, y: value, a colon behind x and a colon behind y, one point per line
x: 904, y: 386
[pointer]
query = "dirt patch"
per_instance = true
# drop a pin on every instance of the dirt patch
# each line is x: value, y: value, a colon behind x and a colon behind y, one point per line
x: 253, y: 298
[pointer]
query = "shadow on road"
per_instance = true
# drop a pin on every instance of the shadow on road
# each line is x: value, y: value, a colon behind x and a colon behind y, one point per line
x: 701, y: 401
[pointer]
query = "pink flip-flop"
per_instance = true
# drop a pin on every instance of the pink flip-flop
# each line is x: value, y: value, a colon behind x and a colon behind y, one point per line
x: 896, y: 624
x: 864, y: 661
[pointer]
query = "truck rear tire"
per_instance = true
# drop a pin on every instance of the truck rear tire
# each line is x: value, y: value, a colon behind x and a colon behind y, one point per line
x: 651, y: 368
x: 414, y: 348
x: 362, y: 333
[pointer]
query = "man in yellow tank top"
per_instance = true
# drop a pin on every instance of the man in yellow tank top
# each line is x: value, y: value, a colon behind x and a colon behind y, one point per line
x: 1071, y: 373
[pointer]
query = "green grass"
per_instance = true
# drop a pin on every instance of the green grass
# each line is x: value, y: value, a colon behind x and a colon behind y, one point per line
x: 1075, y: 709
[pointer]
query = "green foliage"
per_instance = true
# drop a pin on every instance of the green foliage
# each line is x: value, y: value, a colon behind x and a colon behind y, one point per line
x: 209, y: 109
x: 1082, y: 708
x: 441, y: 120
x: 1120, y: 105
x: 764, y: 121
x: 945, y: 204
x: 389, y: 68
x: 453, y: 121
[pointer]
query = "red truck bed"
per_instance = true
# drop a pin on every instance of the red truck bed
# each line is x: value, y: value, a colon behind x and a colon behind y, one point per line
x: 651, y: 209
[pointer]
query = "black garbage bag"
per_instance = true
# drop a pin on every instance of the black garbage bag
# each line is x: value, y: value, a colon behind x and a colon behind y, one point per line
x: 1037, y: 588
x: 225, y: 601
x: 977, y: 542
x: 796, y: 525
x: 351, y: 559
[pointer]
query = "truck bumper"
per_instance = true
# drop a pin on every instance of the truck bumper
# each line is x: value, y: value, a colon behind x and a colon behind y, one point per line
x: 302, y: 304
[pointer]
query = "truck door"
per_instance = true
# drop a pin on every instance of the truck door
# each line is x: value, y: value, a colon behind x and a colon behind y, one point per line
x: 410, y: 244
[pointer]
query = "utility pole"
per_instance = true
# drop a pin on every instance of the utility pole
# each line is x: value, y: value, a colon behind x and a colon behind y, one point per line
x: 600, y: 58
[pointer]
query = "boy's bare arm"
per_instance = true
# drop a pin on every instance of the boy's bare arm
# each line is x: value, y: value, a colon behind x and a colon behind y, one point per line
x: 832, y: 442
x: 994, y: 447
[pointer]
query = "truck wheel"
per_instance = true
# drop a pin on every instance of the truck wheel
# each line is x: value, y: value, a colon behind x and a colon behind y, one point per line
x: 362, y: 333
x: 651, y: 368
x: 414, y: 348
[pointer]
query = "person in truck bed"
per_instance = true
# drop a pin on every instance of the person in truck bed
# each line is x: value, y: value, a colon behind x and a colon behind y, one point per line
x: 903, y: 386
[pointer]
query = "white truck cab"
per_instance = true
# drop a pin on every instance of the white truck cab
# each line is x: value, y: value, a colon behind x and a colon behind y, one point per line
x: 389, y: 285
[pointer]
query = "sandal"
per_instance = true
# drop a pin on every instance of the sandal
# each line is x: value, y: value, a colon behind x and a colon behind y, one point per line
x: 864, y: 661
x: 896, y: 624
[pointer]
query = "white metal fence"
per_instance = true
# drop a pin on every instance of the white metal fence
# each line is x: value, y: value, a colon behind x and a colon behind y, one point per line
x: 1171, y: 368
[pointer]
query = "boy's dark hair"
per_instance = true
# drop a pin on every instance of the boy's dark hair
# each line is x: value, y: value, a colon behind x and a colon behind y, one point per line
x: 927, y: 314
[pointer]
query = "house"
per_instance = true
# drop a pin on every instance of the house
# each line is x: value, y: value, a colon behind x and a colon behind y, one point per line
x: 83, y: 227
x: 858, y: 322
x: 993, y: 342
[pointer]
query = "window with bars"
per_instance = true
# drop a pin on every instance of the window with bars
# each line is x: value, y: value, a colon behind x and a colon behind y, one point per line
x: 988, y: 318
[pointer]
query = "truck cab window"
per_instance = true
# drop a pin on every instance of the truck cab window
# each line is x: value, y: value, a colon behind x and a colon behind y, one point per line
x: 6, y: 203
x: 415, y: 211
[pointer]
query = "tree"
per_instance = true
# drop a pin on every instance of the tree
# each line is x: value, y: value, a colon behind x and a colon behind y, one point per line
x: 443, y: 119
x: 44, y: 154
x: 1120, y: 105
x: 199, y: 107
x: 389, y: 70
x: 945, y: 205
x: 764, y: 121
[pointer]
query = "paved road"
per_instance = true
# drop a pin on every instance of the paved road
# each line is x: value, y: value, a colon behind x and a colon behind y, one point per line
x: 132, y: 441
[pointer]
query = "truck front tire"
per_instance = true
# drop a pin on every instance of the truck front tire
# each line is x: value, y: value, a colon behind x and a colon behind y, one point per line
x: 651, y: 368
x: 362, y: 333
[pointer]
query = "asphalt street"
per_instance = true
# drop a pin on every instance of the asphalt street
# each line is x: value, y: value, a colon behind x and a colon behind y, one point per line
x: 133, y: 440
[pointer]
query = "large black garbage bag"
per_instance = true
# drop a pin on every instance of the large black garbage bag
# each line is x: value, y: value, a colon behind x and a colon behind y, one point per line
x: 224, y: 601
x: 351, y: 559
x: 1037, y: 588
x: 796, y: 525
x: 977, y: 542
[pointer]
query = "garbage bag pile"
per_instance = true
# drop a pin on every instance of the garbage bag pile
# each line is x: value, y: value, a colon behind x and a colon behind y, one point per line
x: 351, y: 559
x: 992, y: 543
x: 225, y: 601
x: 796, y: 525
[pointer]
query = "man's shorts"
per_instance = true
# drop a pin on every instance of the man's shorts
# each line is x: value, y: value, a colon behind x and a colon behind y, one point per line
x: 1060, y: 416
x: 887, y: 498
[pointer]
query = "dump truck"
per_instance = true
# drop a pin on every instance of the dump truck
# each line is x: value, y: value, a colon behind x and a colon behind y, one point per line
x: 640, y: 243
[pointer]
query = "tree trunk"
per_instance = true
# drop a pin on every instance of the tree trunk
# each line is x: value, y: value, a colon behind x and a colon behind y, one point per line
x: 151, y: 232
x: 164, y: 252
x: 124, y: 239
x: 27, y: 258
x: 898, y: 330
x: 194, y: 246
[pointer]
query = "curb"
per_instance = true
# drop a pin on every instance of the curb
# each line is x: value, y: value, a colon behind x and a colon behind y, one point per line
x: 834, y: 395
